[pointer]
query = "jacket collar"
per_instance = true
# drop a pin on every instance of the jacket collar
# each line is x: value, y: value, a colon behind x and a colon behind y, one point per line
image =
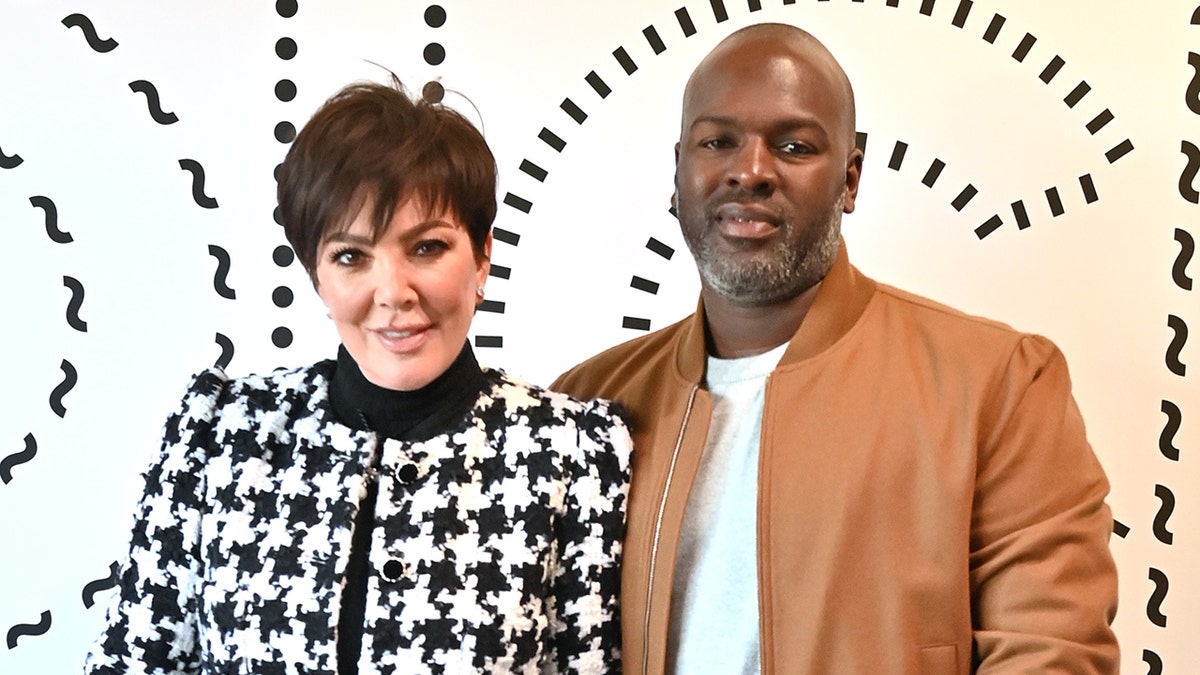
x: 840, y: 301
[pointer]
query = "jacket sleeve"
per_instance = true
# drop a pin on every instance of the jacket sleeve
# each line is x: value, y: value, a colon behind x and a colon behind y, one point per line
x: 586, y: 622
x: 1044, y: 585
x: 151, y: 625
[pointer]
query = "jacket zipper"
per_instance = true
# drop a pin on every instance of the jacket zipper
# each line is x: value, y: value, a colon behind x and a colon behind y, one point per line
x: 662, y: 505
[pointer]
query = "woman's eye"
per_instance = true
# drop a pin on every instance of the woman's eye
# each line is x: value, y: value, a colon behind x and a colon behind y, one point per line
x: 431, y: 247
x: 346, y: 257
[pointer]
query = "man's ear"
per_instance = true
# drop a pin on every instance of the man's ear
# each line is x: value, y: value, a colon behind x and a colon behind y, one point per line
x: 854, y: 165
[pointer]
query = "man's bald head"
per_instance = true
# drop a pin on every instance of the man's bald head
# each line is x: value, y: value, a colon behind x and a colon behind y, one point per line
x: 754, y: 46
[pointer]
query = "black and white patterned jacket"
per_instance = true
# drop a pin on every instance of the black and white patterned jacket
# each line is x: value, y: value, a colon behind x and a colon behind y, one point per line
x: 495, y: 548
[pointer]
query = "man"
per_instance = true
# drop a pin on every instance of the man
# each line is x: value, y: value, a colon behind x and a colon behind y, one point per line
x: 832, y: 475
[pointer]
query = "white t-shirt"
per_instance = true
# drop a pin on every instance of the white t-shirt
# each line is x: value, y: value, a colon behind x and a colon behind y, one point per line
x: 714, y: 600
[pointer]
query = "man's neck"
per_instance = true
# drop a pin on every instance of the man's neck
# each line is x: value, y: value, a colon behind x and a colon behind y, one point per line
x: 736, y: 331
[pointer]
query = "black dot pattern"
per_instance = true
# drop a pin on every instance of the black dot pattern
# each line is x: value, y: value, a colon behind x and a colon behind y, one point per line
x: 284, y: 132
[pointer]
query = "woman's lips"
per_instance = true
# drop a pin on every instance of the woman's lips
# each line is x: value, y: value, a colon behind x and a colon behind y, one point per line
x: 402, y: 340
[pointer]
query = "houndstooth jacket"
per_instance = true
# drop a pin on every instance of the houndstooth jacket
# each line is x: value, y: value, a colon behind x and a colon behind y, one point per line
x: 495, y: 548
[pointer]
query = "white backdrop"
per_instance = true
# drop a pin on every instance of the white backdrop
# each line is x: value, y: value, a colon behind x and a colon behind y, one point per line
x: 1027, y: 160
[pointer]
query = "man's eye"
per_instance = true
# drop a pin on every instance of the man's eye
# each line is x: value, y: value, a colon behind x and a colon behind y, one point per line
x: 795, y: 148
x: 716, y: 143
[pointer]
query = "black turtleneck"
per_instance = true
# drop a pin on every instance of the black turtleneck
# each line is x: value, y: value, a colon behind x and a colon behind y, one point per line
x: 403, y: 415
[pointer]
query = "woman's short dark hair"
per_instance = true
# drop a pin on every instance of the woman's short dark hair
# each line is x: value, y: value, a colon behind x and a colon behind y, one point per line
x: 373, y: 143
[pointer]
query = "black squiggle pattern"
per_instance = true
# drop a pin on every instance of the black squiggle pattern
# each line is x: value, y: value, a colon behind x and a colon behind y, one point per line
x: 18, y: 458
x: 1154, y: 605
x: 89, y: 33
x: 1166, y: 507
x: 1166, y: 440
x: 31, y: 629
x: 197, y: 171
x: 75, y: 303
x: 226, y: 351
x: 1187, y: 248
x: 9, y: 162
x: 1192, y: 153
x: 152, y: 102
x: 223, y: 265
x: 56, y: 235
x: 1174, y: 364
x: 1193, y: 89
x: 93, y: 587
x: 70, y: 378
x: 1154, y: 661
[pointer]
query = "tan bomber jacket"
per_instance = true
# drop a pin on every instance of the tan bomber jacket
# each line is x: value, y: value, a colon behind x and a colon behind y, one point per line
x: 928, y: 502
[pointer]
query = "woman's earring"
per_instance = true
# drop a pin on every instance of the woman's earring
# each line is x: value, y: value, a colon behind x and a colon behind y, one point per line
x: 479, y: 291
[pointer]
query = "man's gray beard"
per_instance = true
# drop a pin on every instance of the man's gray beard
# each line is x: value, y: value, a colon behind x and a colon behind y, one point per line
x: 787, y: 272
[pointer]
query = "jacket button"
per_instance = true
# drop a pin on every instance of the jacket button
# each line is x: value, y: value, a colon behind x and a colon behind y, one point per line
x: 407, y: 473
x: 394, y: 570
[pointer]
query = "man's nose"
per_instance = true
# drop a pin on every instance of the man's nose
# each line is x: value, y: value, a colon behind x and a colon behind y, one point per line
x: 393, y: 283
x: 752, y: 168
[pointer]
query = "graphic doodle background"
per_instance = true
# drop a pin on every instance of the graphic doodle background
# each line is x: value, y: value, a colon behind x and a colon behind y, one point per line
x: 1033, y: 162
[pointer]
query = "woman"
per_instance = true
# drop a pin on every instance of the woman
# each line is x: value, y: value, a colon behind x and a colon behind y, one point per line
x: 399, y: 509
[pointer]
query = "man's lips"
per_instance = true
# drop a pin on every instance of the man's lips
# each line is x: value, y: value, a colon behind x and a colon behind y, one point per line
x: 746, y: 221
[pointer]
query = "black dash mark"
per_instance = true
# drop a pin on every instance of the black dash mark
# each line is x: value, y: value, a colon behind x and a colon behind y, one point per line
x: 598, y: 84
x: 551, y: 139
x: 1154, y: 605
x: 1180, y: 328
x: 897, y: 155
x: 18, y: 458
x: 197, y: 171
x: 226, y: 346
x: 56, y: 235
x: 960, y: 15
x: 152, y: 102
x: 685, y: 22
x: 99, y: 585
x: 489, y: 341
x: 1192, y: 97
x: 502, y: 235
x: 1166, y: 506
x: 220, y: 277
x: 1187, y: 248
x: 1077, y: 94
x: 656, y: 43
x: 622, y: 58
x: 9, y: 161
x: 493, y: 306
x: 1188, y: 177
x: 1023, y: 48
x: 754, y: 5
x: 499, y: 271
x: 70, y: 378
x: 1051, y: 69
x: 1120, y: 150
x: 646, y: 285
x: 635, y: 323
x: 893, y: 3
x: 1120, y: 529
x: 935, y: 170
x: 1099, y: 121
x: 539, y: 174
x: 927, y: 7
x: 719, y: 12
x: 1055, y: 202
x: 1153, y: 660
x: 89, y: 33
x: 29, y: 629
x: 860, y: 141
x: 660, y: 248
x: 573, y: 110
x: 1022, y: 216
x: 993, y: 29
x: 988, y: 227
x: 1089, y: 188
x: 968, y: 193
x: 74, y: 304
x: 1166, y: 439
x: 518, y: 203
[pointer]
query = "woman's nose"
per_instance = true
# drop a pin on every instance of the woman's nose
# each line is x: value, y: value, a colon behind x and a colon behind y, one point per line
x: 393, y: 283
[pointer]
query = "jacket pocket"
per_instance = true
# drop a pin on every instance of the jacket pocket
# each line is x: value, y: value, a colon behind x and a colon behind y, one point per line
x: 939, y: 660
